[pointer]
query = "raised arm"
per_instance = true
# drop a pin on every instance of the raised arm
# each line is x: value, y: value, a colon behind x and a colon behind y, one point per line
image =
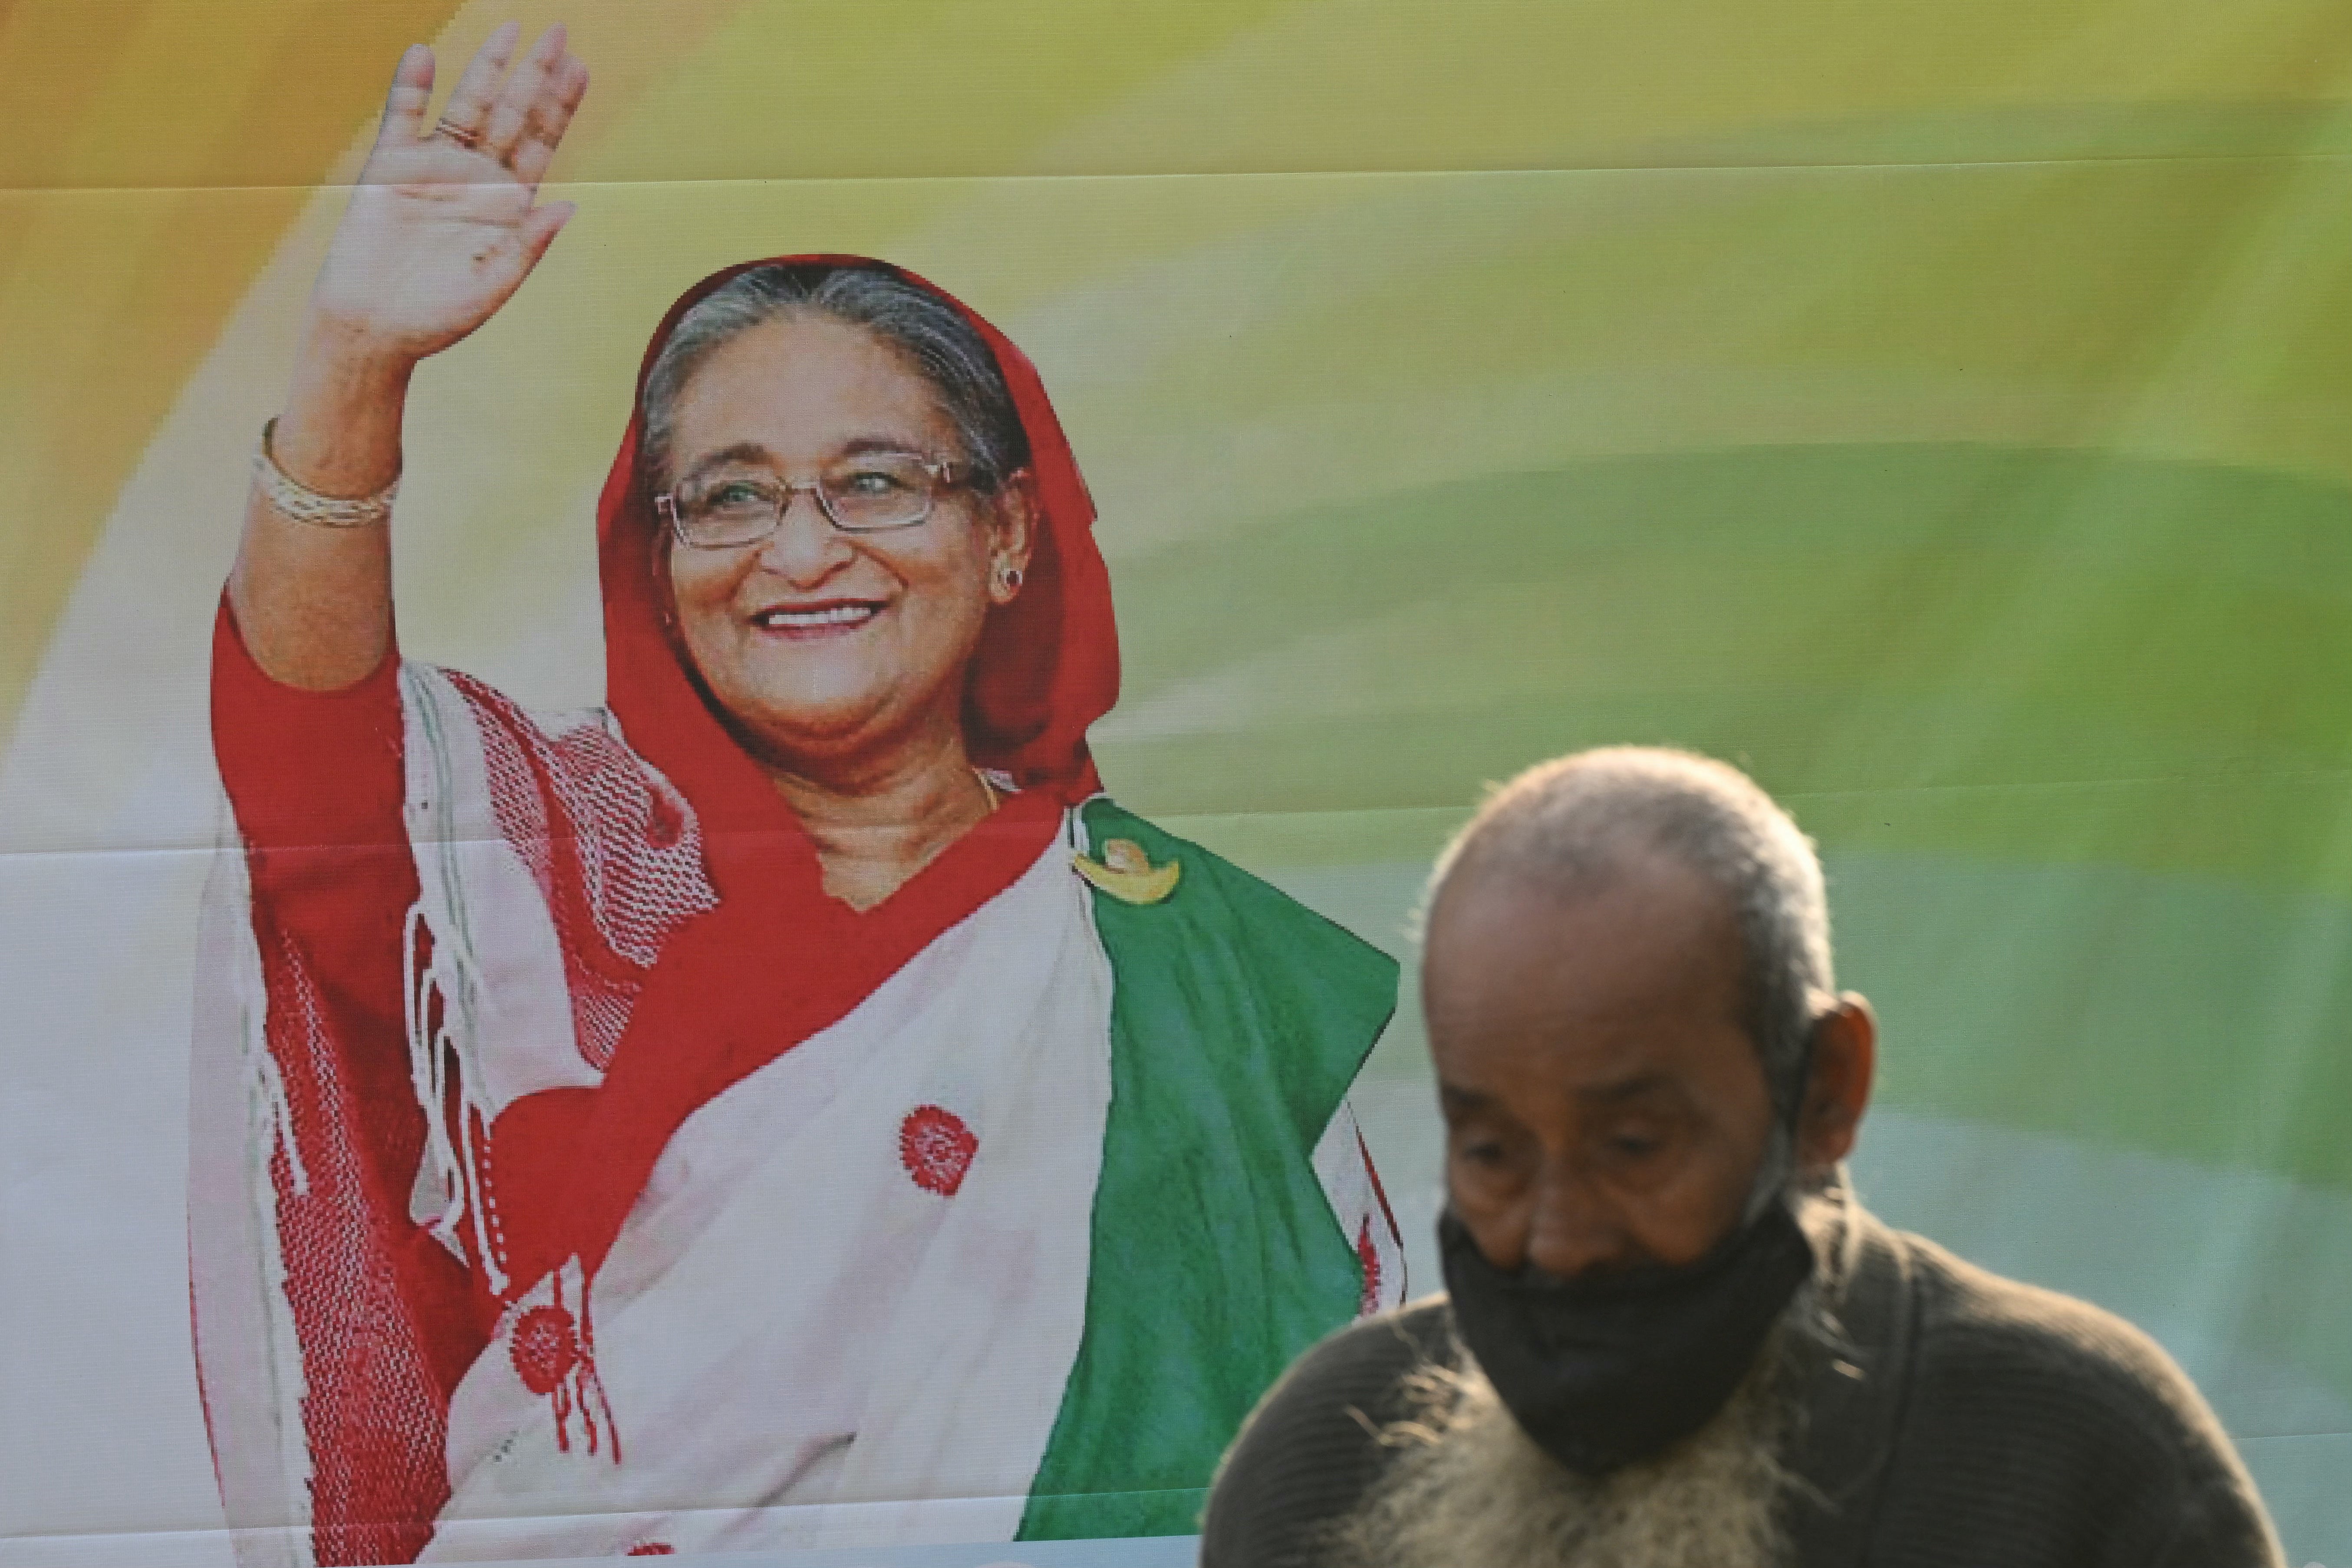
x: 443, y: 228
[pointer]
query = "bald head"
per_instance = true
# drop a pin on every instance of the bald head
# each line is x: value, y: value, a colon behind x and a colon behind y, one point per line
x: 1626, y: 977
x: 1579, y: 826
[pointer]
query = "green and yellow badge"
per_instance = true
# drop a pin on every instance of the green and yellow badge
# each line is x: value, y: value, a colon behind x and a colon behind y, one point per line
x: 1127, y: 873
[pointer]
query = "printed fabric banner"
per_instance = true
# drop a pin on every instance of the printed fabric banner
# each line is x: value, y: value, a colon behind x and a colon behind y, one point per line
x: 839, y: 984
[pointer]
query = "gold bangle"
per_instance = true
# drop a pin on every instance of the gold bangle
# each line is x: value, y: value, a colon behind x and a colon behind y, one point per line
x: 292, y: 499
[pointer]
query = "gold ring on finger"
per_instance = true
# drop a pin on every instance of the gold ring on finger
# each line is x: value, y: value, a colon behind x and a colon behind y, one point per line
x: 464, y: 136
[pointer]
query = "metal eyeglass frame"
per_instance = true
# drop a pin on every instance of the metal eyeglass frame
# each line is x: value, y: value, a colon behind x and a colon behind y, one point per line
x: 945, y: 475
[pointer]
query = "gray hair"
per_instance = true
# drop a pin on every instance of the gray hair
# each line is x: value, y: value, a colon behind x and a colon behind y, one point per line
x: 1569, y: 824
x: 934, y: 335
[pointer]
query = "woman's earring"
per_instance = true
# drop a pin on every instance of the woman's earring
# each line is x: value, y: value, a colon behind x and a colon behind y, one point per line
x: 1008, y: 580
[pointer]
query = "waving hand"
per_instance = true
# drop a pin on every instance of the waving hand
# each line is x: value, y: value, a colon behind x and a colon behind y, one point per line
x: 443, y: 227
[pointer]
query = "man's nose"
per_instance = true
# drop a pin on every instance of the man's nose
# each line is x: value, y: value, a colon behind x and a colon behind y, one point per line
x: 805, y: 547
x: 1571, y: 1231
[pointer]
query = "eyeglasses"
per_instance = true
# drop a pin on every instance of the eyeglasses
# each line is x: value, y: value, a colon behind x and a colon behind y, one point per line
x: 867, y: 492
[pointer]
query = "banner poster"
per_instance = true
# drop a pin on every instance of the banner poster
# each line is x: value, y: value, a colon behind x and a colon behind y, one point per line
x: 838, y: 987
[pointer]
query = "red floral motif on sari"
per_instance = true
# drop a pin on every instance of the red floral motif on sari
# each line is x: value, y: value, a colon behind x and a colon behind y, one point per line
x: 937, y: 1148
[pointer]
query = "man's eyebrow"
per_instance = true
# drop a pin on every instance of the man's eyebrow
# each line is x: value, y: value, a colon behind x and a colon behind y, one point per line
x: 1626, y: 1088
x: 1457, y: 1099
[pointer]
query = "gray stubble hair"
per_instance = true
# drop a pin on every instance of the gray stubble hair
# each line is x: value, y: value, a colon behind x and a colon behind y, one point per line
x: 1569, y: 824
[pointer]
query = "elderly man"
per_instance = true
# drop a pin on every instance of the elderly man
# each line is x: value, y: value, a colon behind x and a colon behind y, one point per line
x: 1671, y: 1338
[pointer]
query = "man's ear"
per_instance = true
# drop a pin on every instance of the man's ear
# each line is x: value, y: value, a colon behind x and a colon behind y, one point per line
x: 1837, y: 1092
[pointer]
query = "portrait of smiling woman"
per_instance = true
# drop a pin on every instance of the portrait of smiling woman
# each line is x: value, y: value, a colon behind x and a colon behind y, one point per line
x: 792, y: 1104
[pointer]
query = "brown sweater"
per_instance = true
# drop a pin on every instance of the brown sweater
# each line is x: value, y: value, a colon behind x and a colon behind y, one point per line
x: 1975, y: 1423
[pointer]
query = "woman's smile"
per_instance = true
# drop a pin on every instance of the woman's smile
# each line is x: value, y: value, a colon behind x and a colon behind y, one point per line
x: 809, y: 622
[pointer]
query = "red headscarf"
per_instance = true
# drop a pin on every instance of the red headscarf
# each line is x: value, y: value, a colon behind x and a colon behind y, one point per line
x: 778, y: 959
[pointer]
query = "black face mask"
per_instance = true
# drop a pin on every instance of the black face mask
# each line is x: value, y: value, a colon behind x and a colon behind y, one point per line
x: 1606, y: 1372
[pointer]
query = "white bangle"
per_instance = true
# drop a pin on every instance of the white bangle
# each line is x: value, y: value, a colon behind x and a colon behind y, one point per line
x: 292, y: 499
